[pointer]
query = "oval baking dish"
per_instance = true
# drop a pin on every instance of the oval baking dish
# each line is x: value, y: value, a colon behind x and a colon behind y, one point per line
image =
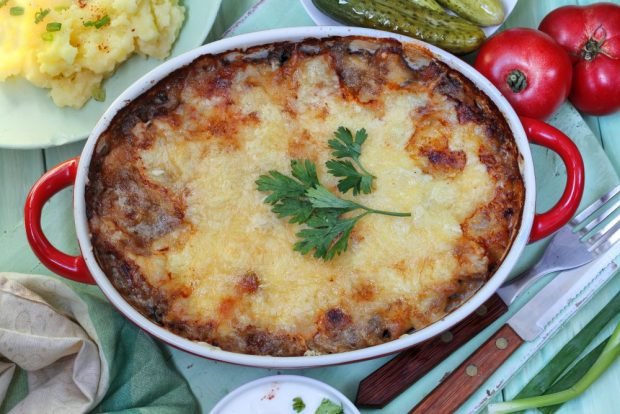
x: 202, y: 261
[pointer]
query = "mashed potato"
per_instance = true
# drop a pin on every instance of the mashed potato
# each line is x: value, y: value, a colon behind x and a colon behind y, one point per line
x: 71, y: 46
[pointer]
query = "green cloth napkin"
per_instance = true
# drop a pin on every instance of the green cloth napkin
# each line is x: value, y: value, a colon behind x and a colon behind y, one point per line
x: 74, y: 353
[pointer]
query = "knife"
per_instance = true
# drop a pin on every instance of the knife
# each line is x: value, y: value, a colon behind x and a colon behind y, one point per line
x: 398, y: 374
x: 525, y: 325
x: 406, y: 368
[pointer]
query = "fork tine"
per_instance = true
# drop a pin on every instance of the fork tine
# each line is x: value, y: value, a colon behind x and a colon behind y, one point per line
x: 601, y: 217
x: 579, y: 218
x: 596, y: 238
x: 606, y: 240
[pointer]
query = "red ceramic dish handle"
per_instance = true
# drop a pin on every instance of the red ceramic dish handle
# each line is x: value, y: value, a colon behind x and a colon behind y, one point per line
x: 59, y: 177
x: 544, y: 134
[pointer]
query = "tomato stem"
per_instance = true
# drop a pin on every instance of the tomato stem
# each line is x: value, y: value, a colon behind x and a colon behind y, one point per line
x: 591, y: 49
x: 516, y: 80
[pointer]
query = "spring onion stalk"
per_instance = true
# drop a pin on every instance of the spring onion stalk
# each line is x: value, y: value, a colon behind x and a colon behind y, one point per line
x: 98, y: 93
x: 570, y: 352
x: 53, y: 27
x: 573, y: 375
x: 607, y: 357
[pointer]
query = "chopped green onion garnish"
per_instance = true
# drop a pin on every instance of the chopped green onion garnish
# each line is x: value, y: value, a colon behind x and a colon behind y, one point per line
x: 98, y: 94
x: 16, y: 11
x: 61, y: 8
x: 53, y: 27
x: 3, y: 3
x: 48, y: 37
x: 98, y: 24
x: 40, y: 15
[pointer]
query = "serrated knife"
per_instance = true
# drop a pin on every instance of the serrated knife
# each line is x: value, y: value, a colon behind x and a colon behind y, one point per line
x: 525, y: 325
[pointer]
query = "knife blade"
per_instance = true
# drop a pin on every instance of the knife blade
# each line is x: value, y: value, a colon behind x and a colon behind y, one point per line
x: 525, y: 325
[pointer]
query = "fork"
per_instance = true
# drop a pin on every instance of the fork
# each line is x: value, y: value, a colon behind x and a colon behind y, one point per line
x: 571, y: 246
x: 588, y: 235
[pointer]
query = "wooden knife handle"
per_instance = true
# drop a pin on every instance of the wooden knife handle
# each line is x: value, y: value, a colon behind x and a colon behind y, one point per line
x: 471, y: 374
x: 394, y: 377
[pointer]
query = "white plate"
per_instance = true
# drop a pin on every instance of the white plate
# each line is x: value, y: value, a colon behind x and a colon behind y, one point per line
x: 29, y: 118
x: 322, y: 20
x: 274, y: 395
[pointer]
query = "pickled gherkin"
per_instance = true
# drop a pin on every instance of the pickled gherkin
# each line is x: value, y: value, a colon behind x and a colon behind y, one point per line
x: 451, y: 33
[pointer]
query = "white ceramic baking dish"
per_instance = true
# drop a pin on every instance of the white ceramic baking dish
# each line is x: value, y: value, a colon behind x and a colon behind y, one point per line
x: 86, y: 269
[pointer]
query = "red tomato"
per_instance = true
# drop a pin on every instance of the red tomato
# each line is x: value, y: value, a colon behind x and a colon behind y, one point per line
x: 591, y: 35
x: 529, y: 68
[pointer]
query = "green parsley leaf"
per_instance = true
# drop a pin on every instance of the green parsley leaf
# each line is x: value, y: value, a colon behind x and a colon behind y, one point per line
x: 346, y: 146
x: 299, y: 210
x: 321, y: 197
x: 328, y: 235
x: 298, y: 404
x: 280, y: 186
x: 98, y: 24
x: 287, y: 194
x: 305, y: 171
x: 16, y: 11
x: 329, y: 407
x: 353, y: 179
x: 40, y: 15
x: 53, y: 27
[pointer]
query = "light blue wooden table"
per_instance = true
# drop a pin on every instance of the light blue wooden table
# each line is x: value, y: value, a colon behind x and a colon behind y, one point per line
x: 210, y: 380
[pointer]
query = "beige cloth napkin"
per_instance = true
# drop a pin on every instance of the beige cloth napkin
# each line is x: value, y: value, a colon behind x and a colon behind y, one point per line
x: 46, y: 330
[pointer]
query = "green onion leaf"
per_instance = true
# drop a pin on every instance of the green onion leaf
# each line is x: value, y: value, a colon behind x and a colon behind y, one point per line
x: 40, y: 15
x: 53, y: 27
x: 573, y: 375
x: 16, y: 11
x: 61, y: 8
x: 570, y: 352
x: 610, y: 353
x: 3, y: 3
x: 48, y: 37
x: 98, y: 94
x: 98, y: 24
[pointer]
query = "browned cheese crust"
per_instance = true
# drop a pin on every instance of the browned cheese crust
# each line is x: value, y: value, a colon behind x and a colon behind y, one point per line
x: 180, y: 229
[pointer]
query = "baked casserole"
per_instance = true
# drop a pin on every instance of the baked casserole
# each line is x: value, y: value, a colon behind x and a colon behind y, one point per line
x: 178, y: 225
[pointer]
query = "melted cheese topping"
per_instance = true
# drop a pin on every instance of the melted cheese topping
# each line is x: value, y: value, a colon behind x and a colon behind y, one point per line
x: 229, y: 270
x: 234, y: 232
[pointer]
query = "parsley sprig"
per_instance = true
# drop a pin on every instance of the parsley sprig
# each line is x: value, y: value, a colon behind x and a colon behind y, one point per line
x: 347, y: 146
x: 304, y: 200
x: 298, y: 404
x: 329, y: 407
